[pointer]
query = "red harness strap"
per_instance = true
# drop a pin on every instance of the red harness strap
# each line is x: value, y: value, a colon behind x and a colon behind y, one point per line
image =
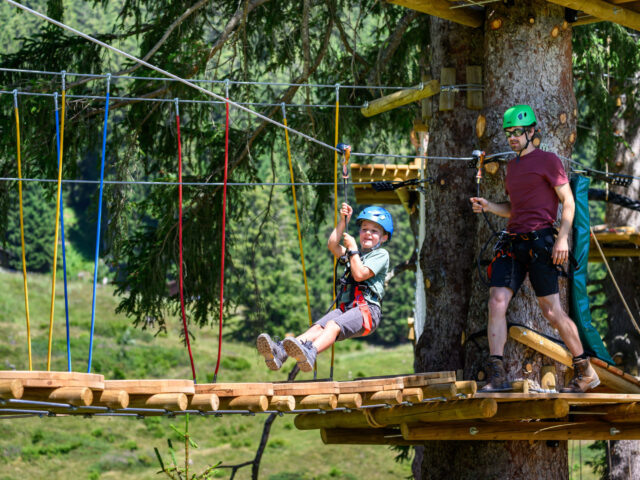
x: 501, y: 253
x: 367, y: 321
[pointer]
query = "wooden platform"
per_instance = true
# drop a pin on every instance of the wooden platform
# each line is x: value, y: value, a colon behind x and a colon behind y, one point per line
x: 615, y: 242
x: 379, y: 172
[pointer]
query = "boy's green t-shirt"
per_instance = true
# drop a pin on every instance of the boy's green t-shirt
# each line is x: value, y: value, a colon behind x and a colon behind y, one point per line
x: 378, y: 262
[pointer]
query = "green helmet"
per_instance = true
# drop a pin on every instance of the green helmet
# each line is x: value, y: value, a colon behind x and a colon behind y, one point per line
x: 519, y: 116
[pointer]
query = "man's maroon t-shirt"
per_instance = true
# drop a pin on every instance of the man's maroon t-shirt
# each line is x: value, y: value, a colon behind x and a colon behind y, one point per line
x: 530, y: 185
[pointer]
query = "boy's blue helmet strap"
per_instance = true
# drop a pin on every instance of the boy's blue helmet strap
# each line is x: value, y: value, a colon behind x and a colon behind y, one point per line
x: 377, y: 215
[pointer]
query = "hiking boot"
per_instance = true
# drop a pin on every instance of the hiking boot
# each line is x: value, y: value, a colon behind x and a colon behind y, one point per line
x: 497, y: 377
x: 584, y: 377
x: 273, y: 352
x: 304, y: 352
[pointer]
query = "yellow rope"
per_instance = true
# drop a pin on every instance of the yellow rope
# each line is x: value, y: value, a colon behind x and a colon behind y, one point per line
x: 295, y: 208
x: 335, y: 203
x: 55, y: 242
x: 624, y: 302
x: 24, y: 261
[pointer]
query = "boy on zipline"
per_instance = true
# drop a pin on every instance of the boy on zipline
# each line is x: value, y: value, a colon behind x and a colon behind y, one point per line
x: 362, y: 289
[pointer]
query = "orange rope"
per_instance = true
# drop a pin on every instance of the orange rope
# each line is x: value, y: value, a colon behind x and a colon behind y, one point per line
x: 24, y: 261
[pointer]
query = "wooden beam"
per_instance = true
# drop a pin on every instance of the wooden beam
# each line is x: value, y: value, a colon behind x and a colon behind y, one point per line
x: 400, y: 98
x: 521, y: 431
x: 364, y: 436
x: 40, y: 379
x: 594, y: 256
x: 11, y: 388
x: 282, y: 403
x: 205, y: 402
x: 629, y: 413
x: 534, y: 409
x: 572, y: 398
x: 77, y: 396
x: 166, y: 401
x: 350, y: 400
x: 446, y: 390
x: 474, y: 97
x: 389, y: 397
x: 552, y: 350
x: 151, y: 387
x: 442, y: 9
x: 327, y: 401
x: 253, y: 403
x: 468, y: 387
x: 111, y: 398
x: 447, y: 98
x: 605, y: 11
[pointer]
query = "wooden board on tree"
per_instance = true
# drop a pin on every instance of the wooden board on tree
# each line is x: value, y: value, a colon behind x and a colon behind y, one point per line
x: 151, y: 387
x: 236, y: 389
x: 40, y: 379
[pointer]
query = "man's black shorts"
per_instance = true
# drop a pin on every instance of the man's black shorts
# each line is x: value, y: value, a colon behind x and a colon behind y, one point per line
x: 533, y: 256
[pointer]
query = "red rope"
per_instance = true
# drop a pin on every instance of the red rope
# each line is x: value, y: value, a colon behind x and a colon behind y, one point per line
x: 184, y: 316
x: 224, y: 210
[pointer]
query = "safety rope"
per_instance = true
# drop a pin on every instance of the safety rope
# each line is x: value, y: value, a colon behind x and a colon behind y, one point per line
x: 295, y: 209
x: 64, y: 252
x: 24, y: 260
x: 613, y: 278
x: 224, y: 220
x: 57, y: 226
x: 184, y: 316
x: 335, y: 217
x: 95, y: 264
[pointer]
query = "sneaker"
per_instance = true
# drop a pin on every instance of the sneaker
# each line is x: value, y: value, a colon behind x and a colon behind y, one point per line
x: 304, y: 352
x: 273, y: 352
x: 497, y: 377
x: 584, y: 378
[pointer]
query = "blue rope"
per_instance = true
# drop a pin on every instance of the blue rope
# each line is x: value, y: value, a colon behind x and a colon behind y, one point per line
x: 64, y: 254
x: 95, y: 265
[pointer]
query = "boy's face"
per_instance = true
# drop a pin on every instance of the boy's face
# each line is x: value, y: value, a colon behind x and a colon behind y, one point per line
x: 371, y: 234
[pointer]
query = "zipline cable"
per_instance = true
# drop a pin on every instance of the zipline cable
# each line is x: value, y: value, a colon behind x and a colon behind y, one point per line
x: 24, y: 260
x: 184, y: 316
x: 295, y: 209
x: 224, y: 221
x: 64, y: 253
x: 95, y: 263
x: 57, y: 225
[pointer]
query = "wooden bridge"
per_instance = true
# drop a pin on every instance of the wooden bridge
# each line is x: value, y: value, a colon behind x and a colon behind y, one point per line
x: 404, y: 409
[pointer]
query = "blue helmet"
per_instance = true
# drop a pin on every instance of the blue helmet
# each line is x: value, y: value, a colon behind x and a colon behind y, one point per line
x: 377, y: 215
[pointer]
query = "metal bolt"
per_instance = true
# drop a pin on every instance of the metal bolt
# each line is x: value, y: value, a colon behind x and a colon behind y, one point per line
x: 474, y: 431
x: 614, y: 431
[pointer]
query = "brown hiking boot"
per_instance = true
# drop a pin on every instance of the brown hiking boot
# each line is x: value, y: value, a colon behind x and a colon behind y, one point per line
x: 497, y: 377
x: 584, y: 378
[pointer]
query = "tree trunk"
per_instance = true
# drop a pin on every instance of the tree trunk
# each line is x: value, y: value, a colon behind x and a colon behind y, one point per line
x: 522, y: 63
x: 622, y: 337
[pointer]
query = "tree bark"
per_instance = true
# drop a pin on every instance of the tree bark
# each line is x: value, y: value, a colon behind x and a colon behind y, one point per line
x: 522, y: 64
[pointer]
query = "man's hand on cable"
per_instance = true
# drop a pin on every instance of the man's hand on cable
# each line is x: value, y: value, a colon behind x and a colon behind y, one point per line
x: 479, y: 204
x: 560, y: 252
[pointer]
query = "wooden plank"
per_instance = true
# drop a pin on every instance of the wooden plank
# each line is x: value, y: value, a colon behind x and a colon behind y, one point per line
x: 77, y: 396
x: 205, y: 402
x: 305, y: 388
x: 253, y: 403
x: 447, y: 98
x: 236, y: 389
x: 350, y: 400
x: 594, y: 255
x: 551, y: 349
x: 400, y: 98
x: 474, y: 97
x: 531, y: 409
x: 571, y: 398
x: 151, y: 387
x: 446, y: 390
x: 282, y: 403
x: 115, y: 399
x: 40, y: 379
x: 327, y: 401
x: 521, y: 431
x: 370, y: 385
x: 11, y: 388
x: 166, y: 401
x: 442, y: 9
x: 364, y: 436
x: 388, y: 397
x: 605, y: 11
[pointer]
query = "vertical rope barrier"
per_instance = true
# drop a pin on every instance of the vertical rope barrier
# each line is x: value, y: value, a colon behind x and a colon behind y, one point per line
x: 295, y: 209
x: 95, y: 263
x: 182, y: 309
x: 24, y: 260
x: 335, y: 212
x: 224, y: 220
x: 57, y: 225
x: 64, y: 253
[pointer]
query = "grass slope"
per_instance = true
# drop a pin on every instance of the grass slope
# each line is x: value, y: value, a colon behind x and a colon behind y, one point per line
x: 122, y: 448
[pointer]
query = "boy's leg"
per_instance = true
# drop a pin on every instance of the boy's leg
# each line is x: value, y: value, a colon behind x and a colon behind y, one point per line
x: 273, y: 352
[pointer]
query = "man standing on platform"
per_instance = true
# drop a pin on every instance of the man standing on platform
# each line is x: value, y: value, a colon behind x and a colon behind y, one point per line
x: 535, y: 183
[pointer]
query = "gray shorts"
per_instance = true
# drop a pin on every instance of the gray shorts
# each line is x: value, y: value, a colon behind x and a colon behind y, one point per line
x: 350, y: 322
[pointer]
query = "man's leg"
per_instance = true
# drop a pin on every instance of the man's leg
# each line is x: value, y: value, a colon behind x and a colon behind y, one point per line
x: 499, y: 298
x: 584, y: 376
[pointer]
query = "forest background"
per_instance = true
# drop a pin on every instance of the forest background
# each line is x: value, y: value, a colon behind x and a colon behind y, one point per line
x: 364, y: 43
